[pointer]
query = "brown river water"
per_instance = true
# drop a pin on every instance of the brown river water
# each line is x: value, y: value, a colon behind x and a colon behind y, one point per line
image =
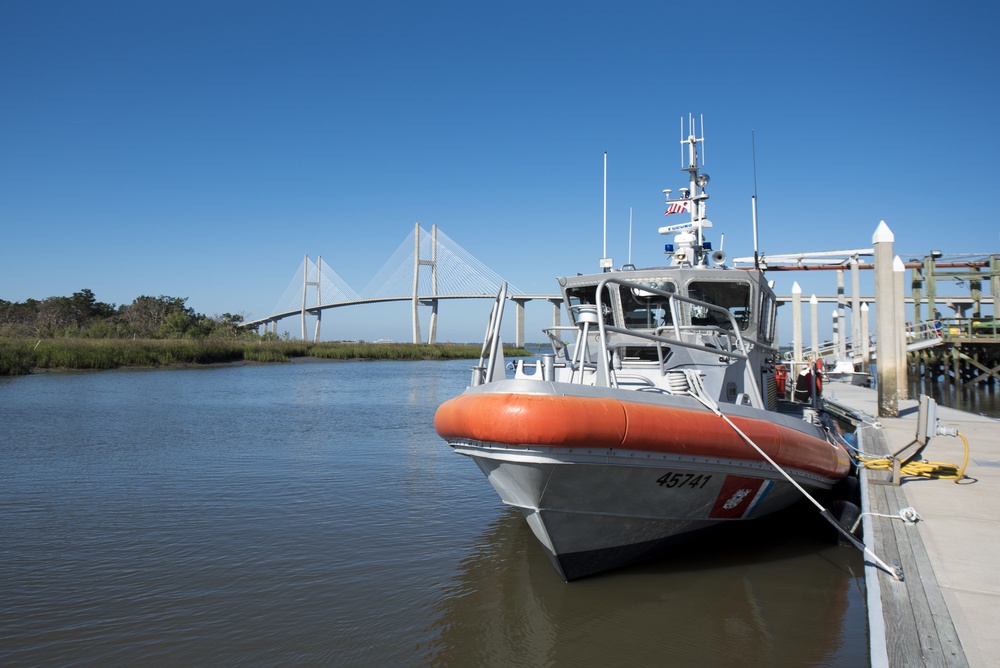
x: 308, y: 514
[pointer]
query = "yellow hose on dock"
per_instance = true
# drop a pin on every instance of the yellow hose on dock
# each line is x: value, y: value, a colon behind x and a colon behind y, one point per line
x: 923, y: 469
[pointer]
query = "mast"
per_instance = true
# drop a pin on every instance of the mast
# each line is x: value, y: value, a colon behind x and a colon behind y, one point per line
x: 689, y: 237
x: 606, y: 262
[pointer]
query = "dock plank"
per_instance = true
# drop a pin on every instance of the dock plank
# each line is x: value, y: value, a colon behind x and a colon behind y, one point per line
x: 917, y: 624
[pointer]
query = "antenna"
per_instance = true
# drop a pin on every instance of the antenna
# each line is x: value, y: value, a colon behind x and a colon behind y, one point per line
x: 753, y: 200
x: 630, y: 235
x: 704, y: 160
x: 682, y: 142
x: 606, y: 262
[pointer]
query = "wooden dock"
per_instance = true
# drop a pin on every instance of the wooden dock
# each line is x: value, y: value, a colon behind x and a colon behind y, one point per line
x: 946, y: 609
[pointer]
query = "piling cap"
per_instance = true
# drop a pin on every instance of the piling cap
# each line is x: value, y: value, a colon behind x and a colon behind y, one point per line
x: 897, y: 264
x: 882, y: 234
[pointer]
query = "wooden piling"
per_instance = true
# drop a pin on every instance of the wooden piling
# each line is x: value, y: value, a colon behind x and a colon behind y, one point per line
x: 899, y: 326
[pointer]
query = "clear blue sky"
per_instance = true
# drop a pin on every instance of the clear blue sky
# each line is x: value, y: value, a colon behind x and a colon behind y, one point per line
x: 200, y: 149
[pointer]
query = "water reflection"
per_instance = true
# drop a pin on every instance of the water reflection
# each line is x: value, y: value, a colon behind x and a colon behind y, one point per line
x: 774, y: 593
x: 982, y: 399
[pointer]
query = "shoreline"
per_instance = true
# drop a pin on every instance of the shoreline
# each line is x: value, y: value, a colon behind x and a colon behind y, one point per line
x: 22, y: 357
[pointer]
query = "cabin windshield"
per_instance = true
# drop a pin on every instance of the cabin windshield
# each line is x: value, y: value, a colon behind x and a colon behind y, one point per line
x: 733, y: 296
x: 647, y: 310
x: 587, y: 294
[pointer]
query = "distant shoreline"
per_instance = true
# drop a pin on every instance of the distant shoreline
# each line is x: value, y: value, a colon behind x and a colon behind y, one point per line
x: 26, y: 356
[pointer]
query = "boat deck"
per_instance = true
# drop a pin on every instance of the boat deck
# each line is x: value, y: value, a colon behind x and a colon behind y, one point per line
x: 946, y: 610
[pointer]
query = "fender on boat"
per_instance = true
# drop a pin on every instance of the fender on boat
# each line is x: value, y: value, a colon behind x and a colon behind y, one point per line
x: 588, y: 422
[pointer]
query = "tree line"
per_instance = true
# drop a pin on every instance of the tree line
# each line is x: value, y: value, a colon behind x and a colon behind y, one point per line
x: 82, y: 316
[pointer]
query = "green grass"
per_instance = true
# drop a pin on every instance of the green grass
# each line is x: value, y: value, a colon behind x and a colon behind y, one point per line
x: 21, y: 356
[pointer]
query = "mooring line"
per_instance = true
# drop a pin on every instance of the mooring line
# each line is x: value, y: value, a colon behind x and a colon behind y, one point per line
x: 698, y: 392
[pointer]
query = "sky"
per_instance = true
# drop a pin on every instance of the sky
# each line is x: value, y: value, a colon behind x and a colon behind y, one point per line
x: 201, y: 149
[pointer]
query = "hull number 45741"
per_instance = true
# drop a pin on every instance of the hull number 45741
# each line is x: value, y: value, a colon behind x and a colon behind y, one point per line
x: 673, y: 479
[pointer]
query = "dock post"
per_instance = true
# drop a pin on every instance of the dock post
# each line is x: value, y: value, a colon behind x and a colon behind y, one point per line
x: 855, y: 307
x: 796, y: 326
x: 995, y: 286
x: 917, y: 291
x: 866, y: 351
x: 814, y: 325
x: 899, y: 299
x: 885, y: 337
x: 841, y: 318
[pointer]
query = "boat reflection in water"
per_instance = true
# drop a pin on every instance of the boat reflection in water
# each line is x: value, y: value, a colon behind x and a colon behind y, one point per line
x: 760, y: 595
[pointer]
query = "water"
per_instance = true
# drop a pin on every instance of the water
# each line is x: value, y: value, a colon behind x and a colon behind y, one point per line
x: 307, y: 514
x: 981, y: 399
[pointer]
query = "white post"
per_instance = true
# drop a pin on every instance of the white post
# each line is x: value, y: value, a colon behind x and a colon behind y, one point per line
x: 899, y: 297
x: 866, y: 350
x: 797, y: 325
x: 855, y: 307
x: 841, y: 318
x: 814, y: 324
x: 836, y: 331
x: 885, y: 336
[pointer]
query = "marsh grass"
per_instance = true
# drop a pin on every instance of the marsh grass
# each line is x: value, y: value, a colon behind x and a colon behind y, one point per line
x: 21, y: 356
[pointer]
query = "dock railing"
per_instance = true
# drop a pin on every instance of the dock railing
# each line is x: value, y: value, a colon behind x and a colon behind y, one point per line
x: 986, y: 329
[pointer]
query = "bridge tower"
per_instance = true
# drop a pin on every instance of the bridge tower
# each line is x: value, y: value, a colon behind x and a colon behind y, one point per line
x: 417, y: 262
x: 305, y: 289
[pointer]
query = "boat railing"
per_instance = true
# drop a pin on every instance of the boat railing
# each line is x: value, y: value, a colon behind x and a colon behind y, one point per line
x: 491, y: 356
x: 588, y: 317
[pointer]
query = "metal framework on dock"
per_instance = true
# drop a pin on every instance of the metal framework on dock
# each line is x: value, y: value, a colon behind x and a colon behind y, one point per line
x: 963, y: 348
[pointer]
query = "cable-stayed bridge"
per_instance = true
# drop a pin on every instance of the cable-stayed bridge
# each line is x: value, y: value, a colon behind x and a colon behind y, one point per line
x: 426, y: 269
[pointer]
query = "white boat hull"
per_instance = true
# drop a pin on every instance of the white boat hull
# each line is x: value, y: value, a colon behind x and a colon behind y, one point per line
x: 593, y: 511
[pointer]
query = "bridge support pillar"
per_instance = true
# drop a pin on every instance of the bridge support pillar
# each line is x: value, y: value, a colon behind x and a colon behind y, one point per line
x: 432, y: 333
x: 432, y: 263
x: 518, y: 322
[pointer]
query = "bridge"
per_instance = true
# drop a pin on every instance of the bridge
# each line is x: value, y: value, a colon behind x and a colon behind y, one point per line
x: 452, y: 273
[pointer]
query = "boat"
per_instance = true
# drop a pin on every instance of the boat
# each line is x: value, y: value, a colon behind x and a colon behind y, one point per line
x: 660, y: 418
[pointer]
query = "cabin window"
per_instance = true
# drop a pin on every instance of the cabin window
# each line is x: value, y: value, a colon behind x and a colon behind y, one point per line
x: 767, y: 309
x: 732, y: 296
x: 587, y: 294
x: 647, y: 310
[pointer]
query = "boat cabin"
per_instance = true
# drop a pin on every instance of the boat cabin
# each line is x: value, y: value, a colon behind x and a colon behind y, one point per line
x: 745, y: 302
